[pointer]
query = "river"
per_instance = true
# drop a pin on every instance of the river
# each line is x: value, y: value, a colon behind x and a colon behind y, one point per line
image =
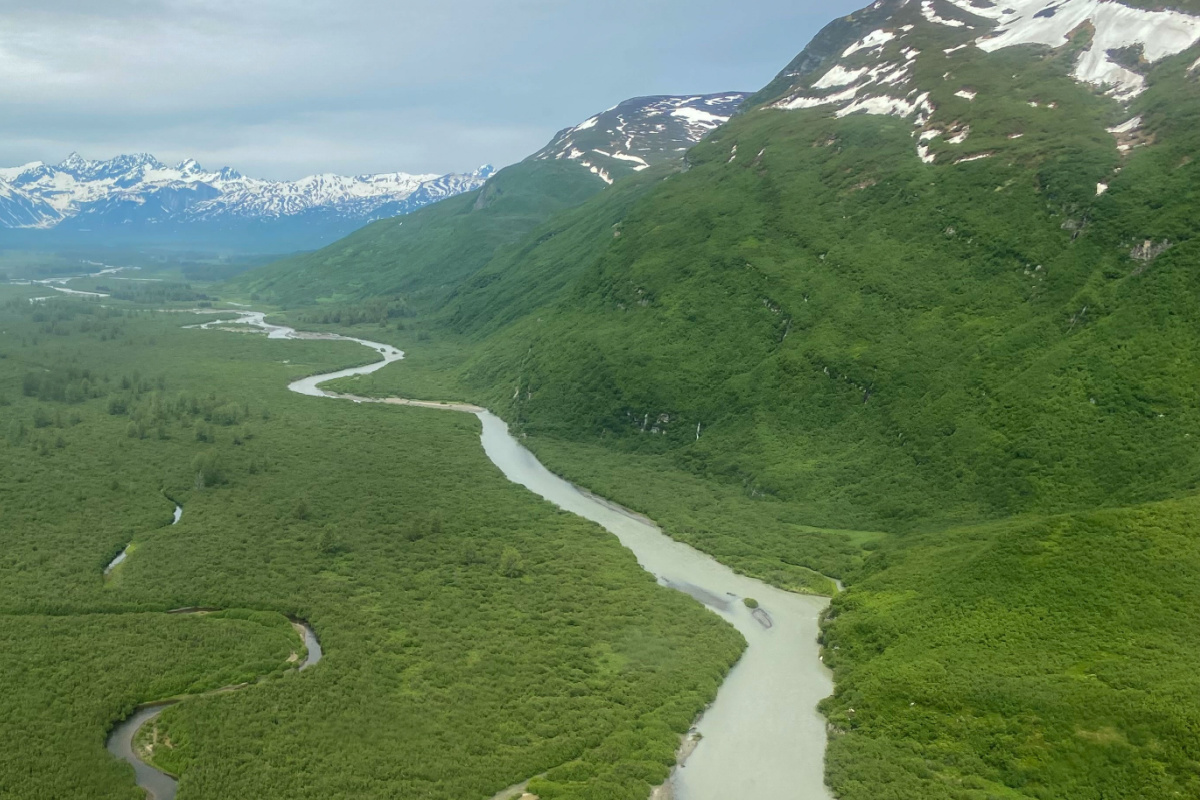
x: 121, y: 556
x: 158, y: 784
x: 762, y: 738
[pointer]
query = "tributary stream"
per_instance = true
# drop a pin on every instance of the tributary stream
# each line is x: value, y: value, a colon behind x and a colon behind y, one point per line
x: 158, y: 784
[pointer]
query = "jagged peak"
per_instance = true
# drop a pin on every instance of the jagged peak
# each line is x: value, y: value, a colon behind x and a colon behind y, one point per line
x: 74, y: 161
x: 191, y: 193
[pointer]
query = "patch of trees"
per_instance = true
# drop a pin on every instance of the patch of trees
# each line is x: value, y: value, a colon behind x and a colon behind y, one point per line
x: 147, y: 292
x: 387, y: 530
x: 381, y: 310
x: 62, y: 384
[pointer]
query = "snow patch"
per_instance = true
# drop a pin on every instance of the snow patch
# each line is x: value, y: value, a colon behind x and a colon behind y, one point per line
x: 812, y: 102
x: 976, y: 157
x: 886, y: 106
x: 890, y: 74
x: 928, y: 13
x: 923, y: 148
x: 1128, y: 126
x: 598, y: 172
x: 698, y: 116
x: 966, y: 94
x: 838, y: 76
x: 1101, y: 188
x: 961, y: 136
x: 874, y: 40
x: 626, y: 157
x: 724, y: 99
x: 950, y: 50
x: 1160, y: 33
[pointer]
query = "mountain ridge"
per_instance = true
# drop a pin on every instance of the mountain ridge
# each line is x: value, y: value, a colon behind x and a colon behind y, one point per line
x: 433, y: 248
x: 136, y: 194
x: 641, y: 130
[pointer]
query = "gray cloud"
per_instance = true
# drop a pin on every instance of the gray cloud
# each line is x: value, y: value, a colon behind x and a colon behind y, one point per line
x: 282, y: 89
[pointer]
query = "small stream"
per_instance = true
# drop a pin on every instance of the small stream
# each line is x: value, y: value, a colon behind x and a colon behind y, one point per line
x: 158, y: 784
x: 762, y: 738
x: 121, y: 556
x: 59, y: 284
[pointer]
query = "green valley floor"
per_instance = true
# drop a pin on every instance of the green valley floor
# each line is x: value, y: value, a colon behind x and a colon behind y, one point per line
x: 451, y: 670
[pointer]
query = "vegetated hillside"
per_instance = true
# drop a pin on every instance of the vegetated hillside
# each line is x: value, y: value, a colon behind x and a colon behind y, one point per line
x: 888, y: 339
x: 442, y: 244
x: 941, y: 281
x: 435, y: 245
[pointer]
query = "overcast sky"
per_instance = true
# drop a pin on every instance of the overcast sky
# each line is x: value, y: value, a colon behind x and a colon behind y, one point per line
x: 286, y: 88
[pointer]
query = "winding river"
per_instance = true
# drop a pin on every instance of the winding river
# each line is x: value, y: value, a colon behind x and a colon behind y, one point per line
x: 158, y: 784
x: 762, y: 738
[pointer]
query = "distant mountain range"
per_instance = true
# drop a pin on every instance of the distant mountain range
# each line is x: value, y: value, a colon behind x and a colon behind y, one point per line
x: 447, y: 241
x: 138, y: 200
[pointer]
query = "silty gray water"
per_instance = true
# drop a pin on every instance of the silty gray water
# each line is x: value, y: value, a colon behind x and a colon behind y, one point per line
x: 762, y: 738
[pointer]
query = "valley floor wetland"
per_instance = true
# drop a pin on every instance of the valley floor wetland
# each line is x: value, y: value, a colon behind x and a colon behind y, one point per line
x: 121, y: 741
x: 762, y: 738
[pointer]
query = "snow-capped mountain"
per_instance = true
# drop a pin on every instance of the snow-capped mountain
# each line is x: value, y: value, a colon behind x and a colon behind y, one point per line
x: 904, y: 57
x: 21, y: 210
x: 640, y: 132
x: 135, y: 197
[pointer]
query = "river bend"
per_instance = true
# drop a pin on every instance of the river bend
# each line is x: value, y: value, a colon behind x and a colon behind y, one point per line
x: 158, y: 784
x: 762, y: 738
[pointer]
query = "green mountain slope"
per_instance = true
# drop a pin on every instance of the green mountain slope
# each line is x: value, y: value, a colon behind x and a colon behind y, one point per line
x: 886, y: 341
x: 433, y: 246
x: 958, y: 304
x: 420, y: 254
